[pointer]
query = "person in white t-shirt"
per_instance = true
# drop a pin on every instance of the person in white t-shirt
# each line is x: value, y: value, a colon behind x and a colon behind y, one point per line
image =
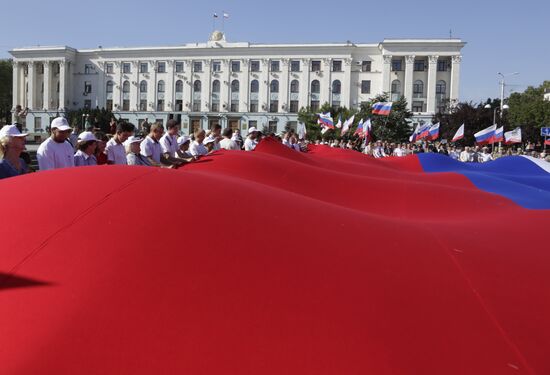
x: 197, y: 148
x: 250, y: 142
x: 169, y: 143
x: 485, y: 155
x: 227, y: 143
x: 466, y: 155
x: 55, y: 152
x: 152, y: 150
x: 115, y: 150
x: 216, y: 133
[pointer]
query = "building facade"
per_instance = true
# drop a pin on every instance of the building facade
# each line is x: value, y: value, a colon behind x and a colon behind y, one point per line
x: 237, y: 85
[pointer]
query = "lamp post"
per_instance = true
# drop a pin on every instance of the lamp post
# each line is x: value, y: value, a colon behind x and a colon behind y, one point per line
x: 502, y: 84
x: 500, y: 109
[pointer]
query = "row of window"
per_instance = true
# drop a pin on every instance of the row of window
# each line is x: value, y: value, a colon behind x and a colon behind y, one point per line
x: 255, y: 66
x: 235, y: 86
x: 418, y: 88
x: 419, y: 65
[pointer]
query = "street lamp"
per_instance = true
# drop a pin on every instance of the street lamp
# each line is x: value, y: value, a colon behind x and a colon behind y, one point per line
x: 502, y: 84
x: 502, y: 108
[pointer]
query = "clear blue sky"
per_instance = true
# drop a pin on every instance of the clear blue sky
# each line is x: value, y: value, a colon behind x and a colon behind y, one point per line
x: 501, y: 37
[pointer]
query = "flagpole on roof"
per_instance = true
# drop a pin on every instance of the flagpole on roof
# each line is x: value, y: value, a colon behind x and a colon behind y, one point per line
x: 223, y: 21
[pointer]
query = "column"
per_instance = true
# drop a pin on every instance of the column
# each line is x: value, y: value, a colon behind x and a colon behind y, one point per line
x: 432, y: 75
x: 62, y: 79
x: 169, y: 87
x: 16, y: 93
x: 225, y: 87
x: 101, y: 100
x: 284, y: 87
x: 347, y: 85
x: 244, y: 93
x: 305, y: 86
x: 455, y: 78
x: 206, y: 88
x: 47, y: 85
x: 31, y: 78
x: 326, y: 82
x: 408, y: 88
x: 386, y: 72
x: 264, y: 94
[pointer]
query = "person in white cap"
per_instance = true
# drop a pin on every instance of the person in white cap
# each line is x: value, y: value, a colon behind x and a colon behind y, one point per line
x: 197, y: 148
x: 237, y: 138
x: 55, y: 152
x: 116, y: 154
x: 250, y: 142
x: 227, y: 143
x: 183, y: 147
x: 12, y: 143
x: 133, y: 152
x: 86, y: 144
x: 210, y: 143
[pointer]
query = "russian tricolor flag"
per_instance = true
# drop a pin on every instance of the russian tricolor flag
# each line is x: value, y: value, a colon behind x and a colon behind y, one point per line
x: 326, y: 120
x: 486, y: 135
x: 424, y: 131
x: 359, y: 130
x: 433, y: 132
x: 499, y: 135
x: 381, y: 108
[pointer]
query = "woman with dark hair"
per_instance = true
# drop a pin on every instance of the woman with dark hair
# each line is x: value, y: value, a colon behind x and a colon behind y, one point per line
x: 87, y: 144
x: 99, y: 153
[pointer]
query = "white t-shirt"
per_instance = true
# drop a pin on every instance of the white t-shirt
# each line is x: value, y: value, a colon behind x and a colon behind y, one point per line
x: 249, y: 144
x: 151, y: 149
x: 116, y: 152
x: 53, y: 155
x: 228, y: 144
x: 465, y: 156
x: 399, y: 152
x: 197, y: 149
x: 169, y: 144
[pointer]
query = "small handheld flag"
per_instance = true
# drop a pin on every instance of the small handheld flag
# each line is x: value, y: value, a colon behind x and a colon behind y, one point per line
x: 459, y: 134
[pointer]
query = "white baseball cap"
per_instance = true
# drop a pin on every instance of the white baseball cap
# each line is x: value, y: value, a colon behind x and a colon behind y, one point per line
x: 11, y: 131
x: 252, y: 130
x: 183, y: 139
x: 209, y: 140
x: 86, y: 137
x: 132, y: 139
x: 60, y: 123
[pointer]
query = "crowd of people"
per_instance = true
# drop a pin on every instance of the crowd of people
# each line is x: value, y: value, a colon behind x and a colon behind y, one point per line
x: 153, y: 146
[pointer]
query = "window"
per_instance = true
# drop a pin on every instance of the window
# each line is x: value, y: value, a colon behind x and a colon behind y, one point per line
x: 272, y: 127
x: 215, y: 106
x: 87, y: 87
x: 315, y: 87
x: 366, y: 66
x: 234, y: 106
x: 396, y: 87
x: 419, y: 65
x: 235, y: 66
x: 274, y: 86
x: 337, y: 66
x: 293, y: 106
x: 161, y: 67
x: 314, y: 105
x: 275, y: 66
x: 295, y: 66
x: 160, y: 86
x: 88, y: 69
x: 197, y: 66
x: 143, y: 67
x: 179, y: 105
x: 197, y: 86
x: 365, y: 87
x: 316, y: 66
x: 252, y: 124
x: 418, y: 106
x: 143, y: 105
x: 126, y: 87
x: 254, y: 65
x: 274, y: 106
x: 441, y: 87
x: 418, y: 88
x: 179, y: 66
x: 143, y: 86
x: 38, y: 123
x: 126, y: 68
x: 57, y: 68
x: 396, y: 65
x: 235, y: 86
x: 179, y: 86
x: 295, y: 86
x: 109, y: 69
x: 125, y: 105
x: 216, y: 86
x: 254, y: 86
x: 253, y: 106
x: 216, y: 66
x: 196, y: 106
x: 109, y: 104
x: 442, y: 65
x: 160, y: 105
x: 87, y: 103
x: 336, y: 87
x: 109, y: 87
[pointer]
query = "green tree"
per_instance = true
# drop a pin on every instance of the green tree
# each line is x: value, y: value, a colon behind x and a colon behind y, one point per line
x: 98, y: 118
x: 6, y: 78
x: 530, y: 111
x: 474, y: 116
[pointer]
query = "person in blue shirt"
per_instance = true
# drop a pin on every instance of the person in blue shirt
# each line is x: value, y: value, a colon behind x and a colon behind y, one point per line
x: 12, y: 143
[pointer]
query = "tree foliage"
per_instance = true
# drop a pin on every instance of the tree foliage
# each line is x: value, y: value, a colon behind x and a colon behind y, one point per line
x: 530, y: 111
x: 6, y: 77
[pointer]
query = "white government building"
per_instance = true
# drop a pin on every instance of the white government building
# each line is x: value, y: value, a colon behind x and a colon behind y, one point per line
x: 235, y: 84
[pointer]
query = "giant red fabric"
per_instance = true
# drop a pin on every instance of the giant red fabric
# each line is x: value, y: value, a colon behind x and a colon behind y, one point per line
x: 270, y: 262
